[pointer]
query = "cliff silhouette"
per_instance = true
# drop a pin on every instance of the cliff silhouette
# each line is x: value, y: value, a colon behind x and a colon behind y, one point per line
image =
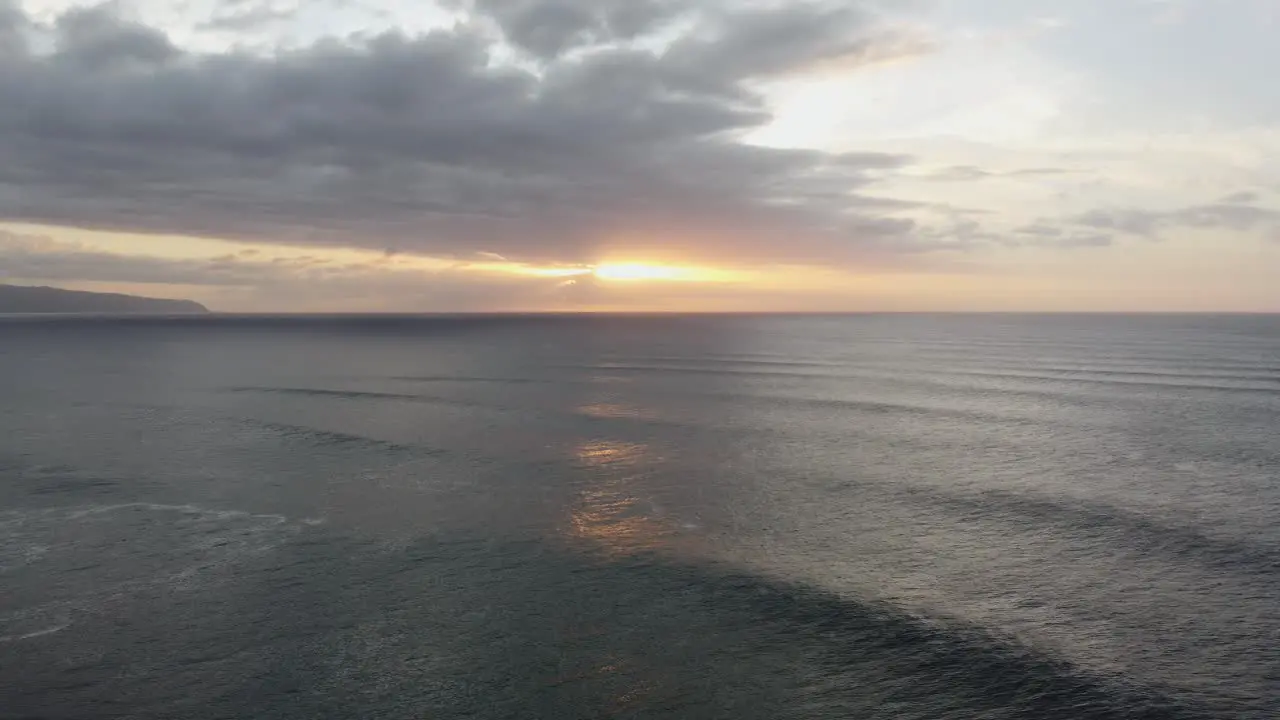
x: 25, y: 299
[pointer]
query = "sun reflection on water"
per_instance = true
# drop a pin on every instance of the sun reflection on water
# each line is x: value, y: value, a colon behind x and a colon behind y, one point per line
x: 610, y: 513
x: 616, y: 411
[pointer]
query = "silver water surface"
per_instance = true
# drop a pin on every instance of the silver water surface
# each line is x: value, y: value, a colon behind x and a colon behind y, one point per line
x: 584, y: 517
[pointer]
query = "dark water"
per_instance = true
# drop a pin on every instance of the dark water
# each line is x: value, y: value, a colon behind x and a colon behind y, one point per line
x: 893, y: 517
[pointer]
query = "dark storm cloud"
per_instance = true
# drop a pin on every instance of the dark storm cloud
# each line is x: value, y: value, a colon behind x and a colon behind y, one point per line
x: 426, y: 145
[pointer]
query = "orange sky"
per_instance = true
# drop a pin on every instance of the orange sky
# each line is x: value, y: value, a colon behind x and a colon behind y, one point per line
x: 917, y: 157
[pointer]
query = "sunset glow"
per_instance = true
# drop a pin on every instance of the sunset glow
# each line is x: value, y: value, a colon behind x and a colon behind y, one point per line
x: 655, y: 272
x: 636, y: 271
x: 616, y: 272
x: 973, y: 156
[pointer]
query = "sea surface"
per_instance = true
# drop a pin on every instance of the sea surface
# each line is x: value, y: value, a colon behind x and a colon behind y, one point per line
x: 928, y: 517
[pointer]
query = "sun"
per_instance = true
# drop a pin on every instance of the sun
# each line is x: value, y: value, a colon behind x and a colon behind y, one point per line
x: 622, y: 272
x: 637, y: 271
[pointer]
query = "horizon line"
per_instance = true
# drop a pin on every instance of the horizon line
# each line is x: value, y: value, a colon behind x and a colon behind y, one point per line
x: 219, y: 314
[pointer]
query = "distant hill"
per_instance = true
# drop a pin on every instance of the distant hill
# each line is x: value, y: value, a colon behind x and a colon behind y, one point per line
x: 22, y: 299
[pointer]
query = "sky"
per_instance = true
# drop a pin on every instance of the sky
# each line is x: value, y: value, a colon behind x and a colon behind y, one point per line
x: 645, y: 155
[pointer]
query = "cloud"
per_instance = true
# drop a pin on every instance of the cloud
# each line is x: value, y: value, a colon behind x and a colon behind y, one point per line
x: 1168, y: 12
x: 1128, y: 220
x: 967, y: 173
x: 1041, y: 229
x: 1085, y: 240
x: 251, y: 279
x: 763, y: 42
x: 1241, y: 198
x: 966, y: 234
x: 97, y: 39
x: 1235, y: 216
x: 28, y: 256
x: 548, y: 28
x: 248, y: 280
x: 243, y: 15
x: 1035, y: 172
x: 13, y: 29
x: 432, y: 144
x: 1225, y: 216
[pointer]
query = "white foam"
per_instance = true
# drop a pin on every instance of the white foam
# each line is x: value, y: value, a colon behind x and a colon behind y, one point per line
x: 204, y: 540
x: 33, y: 635
x: 183, y: 509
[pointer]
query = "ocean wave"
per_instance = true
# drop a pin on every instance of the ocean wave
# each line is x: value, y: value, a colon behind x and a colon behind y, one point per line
x: 1134, y: 531
x: 334, y: 439
x: 324, y: 392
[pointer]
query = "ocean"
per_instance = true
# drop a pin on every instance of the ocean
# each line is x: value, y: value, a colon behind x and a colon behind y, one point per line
x: 933, y: 517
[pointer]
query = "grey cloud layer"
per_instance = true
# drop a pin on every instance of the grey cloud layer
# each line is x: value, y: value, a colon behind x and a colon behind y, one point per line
x: 1236, y: 213
x: 240, y: 16
x: 35, y: 257
x: 548, y: 28
x: 425, y: 144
